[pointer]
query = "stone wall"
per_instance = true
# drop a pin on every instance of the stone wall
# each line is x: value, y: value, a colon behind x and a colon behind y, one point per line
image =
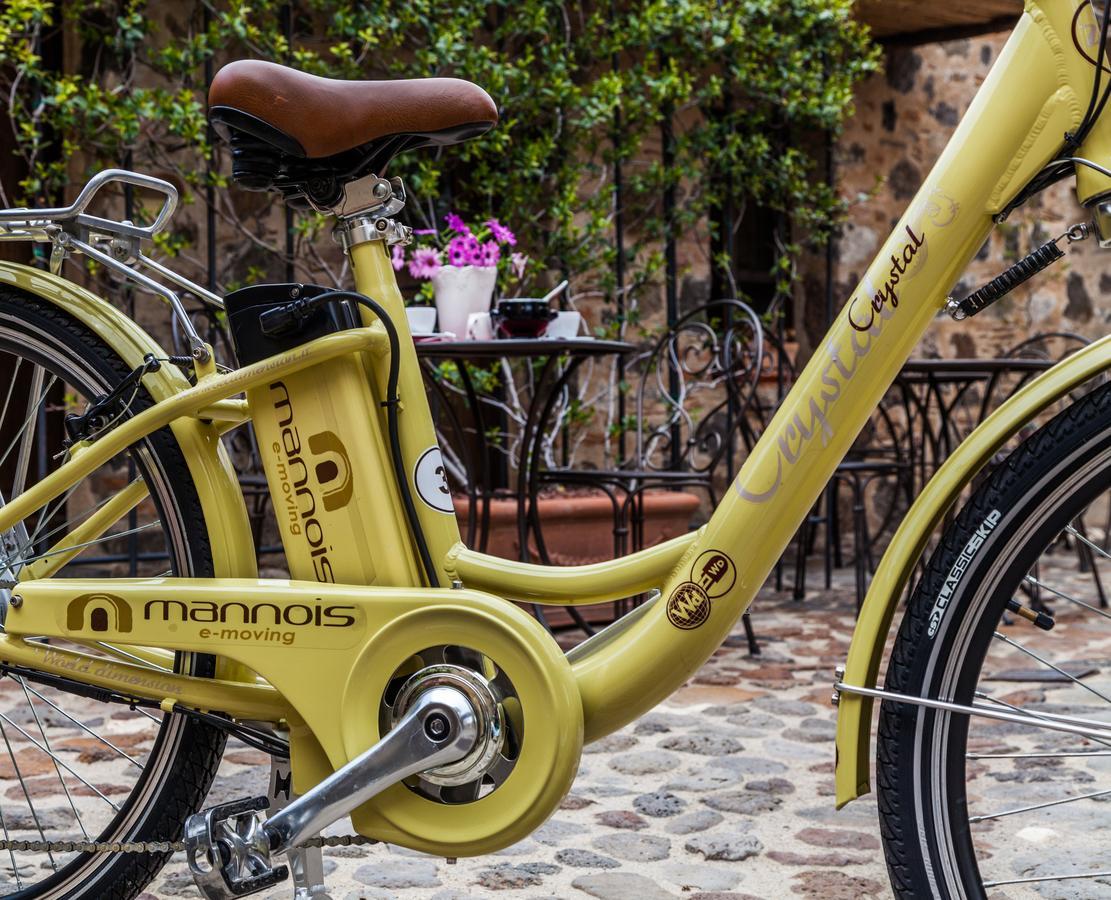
x: 904, y: 118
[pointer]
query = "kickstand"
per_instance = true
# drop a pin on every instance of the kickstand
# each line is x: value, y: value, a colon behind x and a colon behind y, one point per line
x: 306, y: 864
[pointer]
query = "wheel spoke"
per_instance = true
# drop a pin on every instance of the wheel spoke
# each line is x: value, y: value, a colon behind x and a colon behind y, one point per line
x: 23, y: 459
x: 1037, y: 716
x: 1053, y: 666
x: 48, y: 512
x: 123, y: 654
x: 1045, y: 587
x: 79, y: 517
x: 1087, y: 543
x: 1035, y: 806
x: 33, y: 405
x: 26, y: 793
x: 1054, y: 755
x: 89, y: 785
x: 57, y: 768
x: 148, y: 715
x: 1043, y: 878
x: 11, y: 389
x: 81, y: 725
x: 85, y: 544
x: 11, y: 853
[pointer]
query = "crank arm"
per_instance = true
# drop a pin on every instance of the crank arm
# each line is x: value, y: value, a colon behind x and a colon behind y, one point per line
x: 440, y: 728
x: 229, y: 850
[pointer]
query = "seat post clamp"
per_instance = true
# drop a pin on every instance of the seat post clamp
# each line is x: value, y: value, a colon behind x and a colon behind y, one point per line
x: 366, y: 210
x: 360, y: 229
x: 372, y: 218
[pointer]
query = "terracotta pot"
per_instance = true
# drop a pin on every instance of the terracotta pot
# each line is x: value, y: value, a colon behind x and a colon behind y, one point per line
x: 578, y: 528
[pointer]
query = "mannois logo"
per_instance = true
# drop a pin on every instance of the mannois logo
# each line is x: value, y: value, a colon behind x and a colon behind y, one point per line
x: 98, y: 612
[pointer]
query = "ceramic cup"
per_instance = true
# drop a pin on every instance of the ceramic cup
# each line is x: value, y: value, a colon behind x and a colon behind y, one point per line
x: 479, y: 327
x: 422, y: 319
x: 564, y: 325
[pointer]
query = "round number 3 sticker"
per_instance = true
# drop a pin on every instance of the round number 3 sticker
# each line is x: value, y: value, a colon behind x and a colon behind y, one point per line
x: 431, y: 479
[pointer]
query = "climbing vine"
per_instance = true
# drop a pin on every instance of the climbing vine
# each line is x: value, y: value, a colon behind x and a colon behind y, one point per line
x: 581, y: 87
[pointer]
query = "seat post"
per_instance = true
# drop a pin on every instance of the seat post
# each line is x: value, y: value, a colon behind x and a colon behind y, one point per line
x: 366, y: 237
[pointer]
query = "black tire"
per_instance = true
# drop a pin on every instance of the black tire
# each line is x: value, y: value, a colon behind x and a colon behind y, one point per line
x: 947, y: 633
x: 186, y: 752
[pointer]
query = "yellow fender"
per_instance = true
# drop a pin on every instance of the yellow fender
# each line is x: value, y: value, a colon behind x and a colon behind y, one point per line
x: 854, y: 717
x: 225, y: 514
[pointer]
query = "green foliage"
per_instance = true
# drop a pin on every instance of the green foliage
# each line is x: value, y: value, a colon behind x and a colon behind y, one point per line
x: 743, y: 81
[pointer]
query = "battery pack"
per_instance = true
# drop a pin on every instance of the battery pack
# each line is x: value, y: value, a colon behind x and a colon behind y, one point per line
x: 321, y: 438
x: 245, y: 306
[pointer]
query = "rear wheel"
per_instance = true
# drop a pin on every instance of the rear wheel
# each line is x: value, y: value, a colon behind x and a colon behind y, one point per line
x: 72, y: 768
x: 972, y: 807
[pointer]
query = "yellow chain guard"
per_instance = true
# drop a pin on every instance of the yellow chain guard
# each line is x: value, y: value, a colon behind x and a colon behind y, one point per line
x: 550, y: 750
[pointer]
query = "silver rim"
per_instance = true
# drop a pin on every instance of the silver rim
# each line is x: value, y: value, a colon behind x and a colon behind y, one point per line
x: 70, y: 768
x: 1033, y: 795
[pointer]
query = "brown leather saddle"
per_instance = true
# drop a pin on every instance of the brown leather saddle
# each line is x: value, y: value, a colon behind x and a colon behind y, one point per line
x: 307, y: 136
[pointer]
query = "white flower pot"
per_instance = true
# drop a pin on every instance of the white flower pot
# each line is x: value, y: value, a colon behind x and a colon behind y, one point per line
x: 460, y: 291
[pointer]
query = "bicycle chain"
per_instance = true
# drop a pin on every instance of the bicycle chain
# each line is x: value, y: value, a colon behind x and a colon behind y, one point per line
x: 341, y: 840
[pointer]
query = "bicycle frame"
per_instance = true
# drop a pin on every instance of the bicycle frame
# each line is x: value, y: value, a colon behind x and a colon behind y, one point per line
x: 320, y: 678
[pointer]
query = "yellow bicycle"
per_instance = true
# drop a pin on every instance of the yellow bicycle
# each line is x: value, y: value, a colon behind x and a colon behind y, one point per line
x: 392, y: 671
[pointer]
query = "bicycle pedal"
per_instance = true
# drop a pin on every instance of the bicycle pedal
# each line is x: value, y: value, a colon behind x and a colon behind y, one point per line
x: 229, y: 851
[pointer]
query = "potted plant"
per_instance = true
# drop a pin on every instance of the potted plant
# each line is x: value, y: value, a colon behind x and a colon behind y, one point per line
x: 578, y: 523
x: 460, y: 267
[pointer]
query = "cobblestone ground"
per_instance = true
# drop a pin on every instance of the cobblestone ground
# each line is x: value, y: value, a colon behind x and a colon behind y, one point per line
x: 725, y: 791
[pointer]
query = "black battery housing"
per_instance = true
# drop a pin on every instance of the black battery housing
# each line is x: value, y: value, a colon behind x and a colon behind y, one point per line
x: 245, y: 306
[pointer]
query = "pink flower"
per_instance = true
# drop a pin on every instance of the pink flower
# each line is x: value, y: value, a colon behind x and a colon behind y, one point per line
x: 455, y: 223
x: 398, y: 257
x: 426, y: 262
x: 457, y: 251
x: 518, y: 262
x: 424, y: 231
x: 501, y: 234
x: 489, y: 254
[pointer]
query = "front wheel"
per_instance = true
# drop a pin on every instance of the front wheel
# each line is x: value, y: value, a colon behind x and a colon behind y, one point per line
x: 974, y: 807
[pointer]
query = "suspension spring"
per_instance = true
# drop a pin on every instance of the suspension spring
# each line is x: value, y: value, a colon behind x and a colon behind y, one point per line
x: 1021, y: 272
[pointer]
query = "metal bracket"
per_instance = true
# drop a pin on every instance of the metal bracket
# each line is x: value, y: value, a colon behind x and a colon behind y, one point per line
x: 367, y: 210
x: 384, y: 197
x: 116, y: 245
x: 1050, y: 721
x: 306, y: 863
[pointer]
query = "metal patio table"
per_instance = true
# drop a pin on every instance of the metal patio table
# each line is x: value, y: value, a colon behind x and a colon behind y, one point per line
x: 559, y: 359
